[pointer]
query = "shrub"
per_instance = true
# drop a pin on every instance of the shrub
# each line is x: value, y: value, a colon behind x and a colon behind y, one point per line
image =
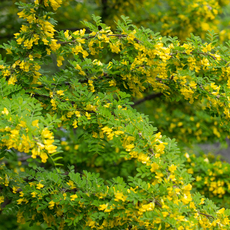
x: 76, y: 154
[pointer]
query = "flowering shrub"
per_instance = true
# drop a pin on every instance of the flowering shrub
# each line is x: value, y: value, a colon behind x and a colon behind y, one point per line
x: 76, y: 154
x: 170, y: 17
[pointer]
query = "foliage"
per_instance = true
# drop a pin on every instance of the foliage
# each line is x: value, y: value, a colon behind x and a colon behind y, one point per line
x: 75, y: 152
x: 170, y: 17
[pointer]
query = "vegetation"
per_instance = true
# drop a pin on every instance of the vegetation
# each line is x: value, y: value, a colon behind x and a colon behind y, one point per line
x: 98, y: 123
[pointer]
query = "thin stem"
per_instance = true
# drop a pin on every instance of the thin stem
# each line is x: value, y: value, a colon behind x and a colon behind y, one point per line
x: 149, y: 97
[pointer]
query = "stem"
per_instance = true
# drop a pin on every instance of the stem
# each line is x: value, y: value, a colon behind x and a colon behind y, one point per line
x: 149, y: 97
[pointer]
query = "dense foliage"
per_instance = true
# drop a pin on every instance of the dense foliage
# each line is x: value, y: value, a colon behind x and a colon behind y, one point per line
x: 78, y: 150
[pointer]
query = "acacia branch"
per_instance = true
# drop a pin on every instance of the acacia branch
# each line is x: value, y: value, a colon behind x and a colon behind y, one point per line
x: 205, y: 215
x: 108, y: 35
x: 149, y: 97
x: 158, y: 203
x: 24, y: 158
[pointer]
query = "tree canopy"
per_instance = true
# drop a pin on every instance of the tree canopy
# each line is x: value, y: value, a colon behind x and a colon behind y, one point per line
x: 98, y: 119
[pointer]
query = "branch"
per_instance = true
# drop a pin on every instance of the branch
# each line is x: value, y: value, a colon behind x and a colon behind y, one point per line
x: 158, y: 203
x: 24, y: 158
x: 74, y: 29
x: 149, y: 97
x: 108, y: 35
x: 206, y: 215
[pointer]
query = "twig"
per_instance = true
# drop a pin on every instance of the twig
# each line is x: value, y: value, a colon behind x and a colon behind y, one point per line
x: 108, y: 35
x: 24, y: 158
x: 158, y: 203
x: 149, y: 97
x: 206, y: 215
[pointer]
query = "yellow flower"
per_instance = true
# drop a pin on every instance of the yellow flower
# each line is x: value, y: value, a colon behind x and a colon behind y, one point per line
x: 159, y: 175
x: 1, y: 199
x: 75, y: 124
x: 154, y: 167
x: 54, y: 45
x: 43, y: 156
x: 12, y: 80
x: 20, y: 40
x: 192, y: 205
x: 186, y: 199
x: 60, y: 92
x: 143, y: 158
x: 34, y: 153
x: 5, y: 111
x: 59, y: 60
x: 114, y: 48
x: 33, y: 194
x: 160, y: 148
x: 55, y: 4
x: 187, y: 188
x: 105, y: 208
x: 39, y: 185
x: 120, y: 196
x: 77, y: 113
x: 15, y: 189
x: 88, y: 115
x: 8, y: 51
x: 221, y: 211
x: 50, y: 149
x: 129, y: 147
x: 172, y: 168
x: 71, y: 184
x: 48, y: 142
x: 32, y: 184
x: 202, y: 201
x: 51, y: 204
x: 21, y: 194
x: 165, y: 214
x: 66, y: 33
x: 20, y: 200
x: 47, y: 134
x: 118, y: 133
x: 147, y: 207
x: 73, y: 197
x: 35, y: 123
